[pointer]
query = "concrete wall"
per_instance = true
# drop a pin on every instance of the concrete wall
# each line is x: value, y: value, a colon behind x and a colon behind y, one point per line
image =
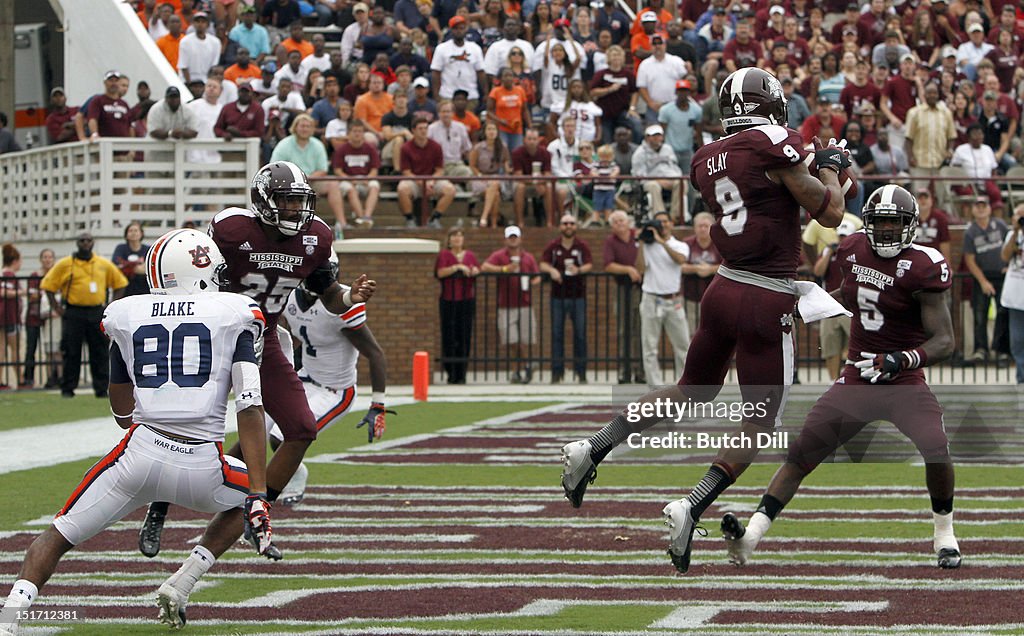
x: 101, y: 35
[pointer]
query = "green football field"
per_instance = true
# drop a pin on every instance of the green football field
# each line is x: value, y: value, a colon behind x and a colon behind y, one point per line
x: 456, y: 524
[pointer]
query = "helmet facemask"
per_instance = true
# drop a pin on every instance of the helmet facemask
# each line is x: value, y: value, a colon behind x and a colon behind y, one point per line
x: 890, y: 231
x: 291, y: 211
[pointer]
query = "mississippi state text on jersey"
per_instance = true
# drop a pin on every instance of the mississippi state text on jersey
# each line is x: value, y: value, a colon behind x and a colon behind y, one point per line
x: 881, y: 293
x: 265, y: 269
x: 327, y: 356
x: 758, y: 220
x: 189, y: 342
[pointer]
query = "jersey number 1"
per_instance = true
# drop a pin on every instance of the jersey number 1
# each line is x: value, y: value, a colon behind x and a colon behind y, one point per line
x: 160, y: 355
x: 734, y: 211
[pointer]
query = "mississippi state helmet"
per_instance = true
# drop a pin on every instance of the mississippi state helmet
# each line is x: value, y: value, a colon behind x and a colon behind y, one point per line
x: 282, y: 197
x: 894, y: 205
x: 751, y: 97
x: 185, y: 262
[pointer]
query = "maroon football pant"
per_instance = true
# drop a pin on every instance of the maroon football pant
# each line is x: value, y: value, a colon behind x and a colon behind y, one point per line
x: 283, y: 396
x: 851, y: 404
x: 756, y: 324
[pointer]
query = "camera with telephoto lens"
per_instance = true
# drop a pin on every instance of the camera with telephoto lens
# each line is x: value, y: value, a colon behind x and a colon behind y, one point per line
x: 647, y: 230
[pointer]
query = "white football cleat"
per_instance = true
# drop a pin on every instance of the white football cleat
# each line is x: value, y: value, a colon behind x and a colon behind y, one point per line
x: 578, y: 471
x: 171, y: 602
x: 296, y: 488
x: 680, y: 536
x: 739, y: 543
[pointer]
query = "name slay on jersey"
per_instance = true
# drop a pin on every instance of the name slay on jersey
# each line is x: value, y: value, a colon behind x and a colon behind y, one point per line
x: 717, y: 163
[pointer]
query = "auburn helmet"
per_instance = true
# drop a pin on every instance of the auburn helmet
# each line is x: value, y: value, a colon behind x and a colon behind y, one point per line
x: 185, y: 262
x: 282, y: 197
x: 894, y: 205
x: 751, y: 97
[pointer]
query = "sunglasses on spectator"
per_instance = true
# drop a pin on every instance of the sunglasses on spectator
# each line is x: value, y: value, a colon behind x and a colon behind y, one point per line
x: 568, y: 222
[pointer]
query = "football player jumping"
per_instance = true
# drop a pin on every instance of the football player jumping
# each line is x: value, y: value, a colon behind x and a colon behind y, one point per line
x: 172, y: 453
x: 898, y: 292
x: 270, y: 249
x: 754, y: 181
x: 331, y: 345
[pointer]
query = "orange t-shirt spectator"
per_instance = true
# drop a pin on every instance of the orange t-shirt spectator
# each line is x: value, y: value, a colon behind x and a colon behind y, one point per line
x: 168, y: 44
x: 507, y: 102
x: 658, y: 8
x: 374, y: 104
x: 243, y: 68
x: 296, y: 41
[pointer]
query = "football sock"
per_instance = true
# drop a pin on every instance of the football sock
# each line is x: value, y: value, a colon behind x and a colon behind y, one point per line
x: 21, y: 596
x: 942, y: 506
x: 272, y: 494
x: 613, y: 434
x: 159, y: 507
x: 704, y: 493
x: 756, y: 528
x: 195, y: 566
x: 770, y: 507
x: 944, y: 537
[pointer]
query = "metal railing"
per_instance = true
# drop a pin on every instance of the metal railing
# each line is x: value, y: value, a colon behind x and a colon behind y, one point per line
x: 55, y: 192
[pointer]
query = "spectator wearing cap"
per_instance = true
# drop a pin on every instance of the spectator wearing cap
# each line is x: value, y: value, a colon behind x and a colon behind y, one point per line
x: 682, y: 123
x: 655, y: 164
x: 170, y: 43
x: 772, y: 29
x: 457, y: 63
x: 251, y: 35
x: 824, y: 123
x: 243, y: 68
x: 402, y: 83
x: 742, y: 51
x: 979, y: 162
x: 933, y: 227
x: 167, y: 119
x: 517, y: 322
x: 971, y: 52
x: 640, y: 44
x: 1005, y: 104
x: 310, y: 155
x: 496, y: 57
x: 662, y: 17
x: 859, y: 90
x: 656, y: 78
x: 351, y: 47
x: 424, y: 158
x: 996, y: 127
x: 422, y: 105
x: 713, y: 37
x: 244, y: 118
x: 797, y: 109
x: 614, y: 90
x: 198, y: 51
x: 60, y: 123
x: 405, y: 56
x: 899, y: 96
x: 931, y: 134
x: 195, y: 88
x: 982, y: 247
x: 265, y: 86
x: 108, y: 113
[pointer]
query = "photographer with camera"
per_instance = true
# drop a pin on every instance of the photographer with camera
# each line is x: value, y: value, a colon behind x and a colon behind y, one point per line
x: 660, y: 260
x: 1013, y: 288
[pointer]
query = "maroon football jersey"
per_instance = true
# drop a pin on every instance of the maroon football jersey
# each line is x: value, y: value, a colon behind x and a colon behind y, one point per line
x: 880, y: 292
x: 264, y: 269
x: 757, y: 226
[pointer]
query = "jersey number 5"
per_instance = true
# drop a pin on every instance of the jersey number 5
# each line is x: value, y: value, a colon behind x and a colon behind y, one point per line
x: 160, y: 355
x: 734, y: 211
x: 870, y: 317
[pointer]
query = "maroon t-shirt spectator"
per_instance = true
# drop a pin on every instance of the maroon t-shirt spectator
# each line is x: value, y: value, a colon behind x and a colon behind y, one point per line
x: 457, y: 286
x: 558, y: 256
x: 853, y: 96
x: 693, y: 285
x: 621, y: 253
x: 798, y: 50
x: 10, y: 308
x: 618, y: 101
x: 357, y: 162
x: 55, y: 124
x: 903, y: 94
x: 933, y: 230
x: 743, y: 55
x: 250, y: 123
x: 693, y: 9
x: 510, y: 290
x: 522, y: 161
x: 1006, y: 65
x: 33, y: 307
x: 872, y: 29
x: 111, y: 116
x: 862, y: 32
x: 422, y: 161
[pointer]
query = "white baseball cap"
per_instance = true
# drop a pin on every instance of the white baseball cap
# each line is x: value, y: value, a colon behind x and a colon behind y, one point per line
x: 513, y: 230
x: 654, y: 130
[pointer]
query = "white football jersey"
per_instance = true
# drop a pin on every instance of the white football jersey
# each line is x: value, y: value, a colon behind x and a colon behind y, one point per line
x: 178, y: 351
x: 328, y: 358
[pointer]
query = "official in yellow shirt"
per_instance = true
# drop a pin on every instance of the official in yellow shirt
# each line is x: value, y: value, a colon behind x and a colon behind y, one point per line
x: 84, y: 281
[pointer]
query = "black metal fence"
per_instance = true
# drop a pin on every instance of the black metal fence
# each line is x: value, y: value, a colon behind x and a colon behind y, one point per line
x: 611, y: 356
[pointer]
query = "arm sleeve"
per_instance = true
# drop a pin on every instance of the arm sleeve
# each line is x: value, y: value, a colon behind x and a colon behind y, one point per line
x: 118, y: 369
x: 245, y: 350
x: 320, y: 279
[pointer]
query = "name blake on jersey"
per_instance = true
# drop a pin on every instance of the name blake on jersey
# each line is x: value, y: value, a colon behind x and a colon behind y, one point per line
x: 267, y: 260
x: 717, y: 163
x: 173, y: 308
x: 872, y: 276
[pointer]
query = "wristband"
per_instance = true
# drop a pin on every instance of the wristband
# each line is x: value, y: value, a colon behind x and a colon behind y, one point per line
x: 377, y: 397
x: 824, y: 204
x: 120, y: 416
x: 347, y: 298
x: 914, y: 358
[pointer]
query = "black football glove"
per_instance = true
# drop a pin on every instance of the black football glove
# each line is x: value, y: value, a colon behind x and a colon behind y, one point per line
x: 881, y: 367
x: 257, y: 526
x: 374, y: 421
x: 834, y: 156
